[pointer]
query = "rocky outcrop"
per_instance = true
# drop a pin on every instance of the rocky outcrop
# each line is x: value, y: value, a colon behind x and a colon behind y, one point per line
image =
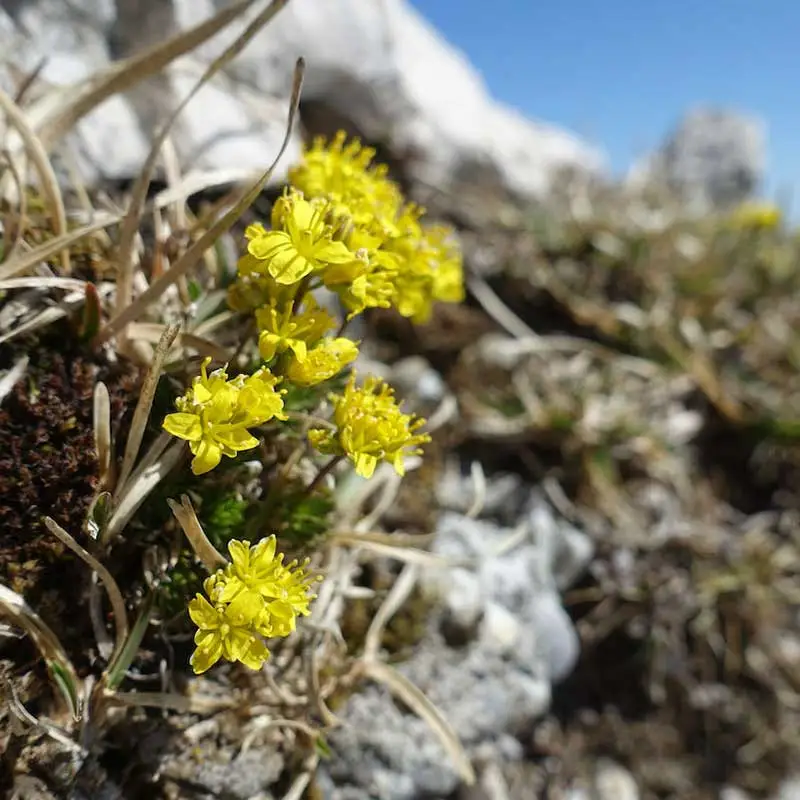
x: 714, y: 159
x: 375, y: 67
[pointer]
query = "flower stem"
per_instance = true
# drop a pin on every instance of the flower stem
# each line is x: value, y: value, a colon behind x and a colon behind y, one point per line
x: 345, y: 323
x: 325, y: 471
x: 300, y: 293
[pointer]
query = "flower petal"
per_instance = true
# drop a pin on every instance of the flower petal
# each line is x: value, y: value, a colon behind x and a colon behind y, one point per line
x: 256, y: 654
x: 237, y: 643
x: 207, y: 454
x: 203, y: 614
x: 240, y: 555
x: 365, y: 464
x: 184, y: 426
x: 206, y: 655
x: 235, y: 438
x: 333, y: 253
x: 266, y: 246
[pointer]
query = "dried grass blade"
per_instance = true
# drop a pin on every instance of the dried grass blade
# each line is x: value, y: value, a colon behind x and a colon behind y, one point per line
x: 197, y: 182
x: 404, y: 690
x: 44, y: 282
x: 245, y: 199
x: 102, y: 431
x: 145, y: 481
x: 110, y: 585
x: 57, y: 121
x: 47, y: 176
x: 210, y: 557
x: 408, y: 555
x: 212, y: 323
x: 399, y: 593
x: 143, y: 406
x: 13, y: 606
x: 152, y: 454
x: 12, y: 377
x: 297, y: 791
x: 151, y: 332
x: 47, y: 250
x: 133, y: 218
x: 18, y: 228
x: 41, y: 320
x: 170, y: 702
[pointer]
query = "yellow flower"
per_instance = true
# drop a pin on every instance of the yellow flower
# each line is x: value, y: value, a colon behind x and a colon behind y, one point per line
x: 256, y: 595
x: 259, y: 398
x: 369, y: 280
x: 224, y: 631
x: 281, y: 329
x: 344, y: 174
x: 370, y: 427
x: 430, y: 270
x: 300, y: 242
x: 214, y: 415
x: 756, y: 216
x: 254, y: 287
x: 279, y: 617
x: 448, y: 272
x: 324, y: 361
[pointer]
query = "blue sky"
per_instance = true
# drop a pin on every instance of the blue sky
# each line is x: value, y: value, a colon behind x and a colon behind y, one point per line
x: 621, y: 72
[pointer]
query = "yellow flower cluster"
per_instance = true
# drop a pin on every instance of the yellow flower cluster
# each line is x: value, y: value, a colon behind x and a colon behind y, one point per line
x: 399, y: 261
x: 255, y: 597
x: 756, y: 216
x: 215, y: 414
x: 370, y: 427
x: 343, y: 227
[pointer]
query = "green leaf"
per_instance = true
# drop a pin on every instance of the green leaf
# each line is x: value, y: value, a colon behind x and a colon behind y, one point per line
x: 67, y: 687
x: 90, y: 320
x: 323, y: 748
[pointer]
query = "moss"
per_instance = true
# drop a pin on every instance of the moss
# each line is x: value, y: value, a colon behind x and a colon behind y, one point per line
x: 48, y: 465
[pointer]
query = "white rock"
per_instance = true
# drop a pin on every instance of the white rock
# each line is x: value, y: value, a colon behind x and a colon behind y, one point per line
x: 789, y: 789
x: 733, y: 793
x: 567, y: 550
x: 379, y: 67
x: 463, y: 598
x: 712, y: 160
x: 414, y: 376
x: 500, y: 629
x: 614, y: 782
x: 556, y: 638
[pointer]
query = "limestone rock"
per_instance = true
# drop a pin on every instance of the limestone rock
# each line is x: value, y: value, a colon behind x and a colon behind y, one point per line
x: 375, y: 68
x: 713, y: 159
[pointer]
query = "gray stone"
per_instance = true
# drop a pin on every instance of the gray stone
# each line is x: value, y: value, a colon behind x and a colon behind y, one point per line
x: 464, y: 602
x: 416, y: 377
x: 524, y: 581
x: 789, y: 789
x: 733, y: 793
x: 383, y: 753
x: 244, y: 776
x: 568, y: 550
x: 713, y: 159
x: 614, y: 782
x: 378, y: 69
x: 492, y: 687
x: 557, y: 639
x: 503, y: 498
